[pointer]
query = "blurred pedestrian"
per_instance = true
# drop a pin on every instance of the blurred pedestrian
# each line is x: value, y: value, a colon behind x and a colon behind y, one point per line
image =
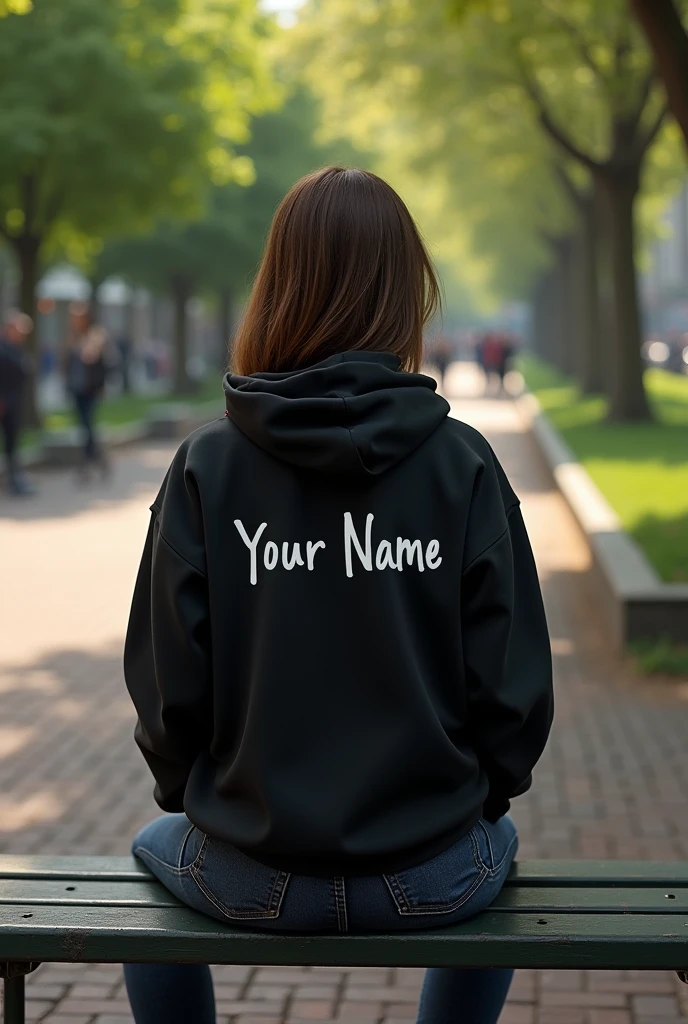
x: 86, y: 373
x: 15, y: 370
x: 337, y: 647
x: 124, y: 353
x: 441, y: 354
x: 491, y: 358
x: 505, y: 358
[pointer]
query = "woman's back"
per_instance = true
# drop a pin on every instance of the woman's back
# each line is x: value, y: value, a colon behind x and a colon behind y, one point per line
x: 337, y: 647
x: 328, y: 668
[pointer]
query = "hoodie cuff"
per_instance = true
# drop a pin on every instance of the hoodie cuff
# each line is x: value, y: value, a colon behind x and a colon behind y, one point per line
x: 495, y: 807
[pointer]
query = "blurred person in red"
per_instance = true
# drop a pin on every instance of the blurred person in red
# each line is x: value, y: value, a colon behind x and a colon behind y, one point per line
x: 508, y: 350
x: 492, y: 356
x: 15, y: 370
x: 85, y: 379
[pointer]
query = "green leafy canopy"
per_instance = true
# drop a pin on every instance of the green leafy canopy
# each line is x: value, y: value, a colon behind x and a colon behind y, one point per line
x: 116, y: 111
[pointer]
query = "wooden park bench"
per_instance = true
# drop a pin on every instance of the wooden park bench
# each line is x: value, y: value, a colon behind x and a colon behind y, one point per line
x: 595, y: 915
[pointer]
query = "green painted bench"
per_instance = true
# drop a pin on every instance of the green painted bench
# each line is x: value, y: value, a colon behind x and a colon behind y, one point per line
x: 551, y: 914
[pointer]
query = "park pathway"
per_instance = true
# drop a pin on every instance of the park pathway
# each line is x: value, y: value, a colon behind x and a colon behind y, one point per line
x: 613, y: 782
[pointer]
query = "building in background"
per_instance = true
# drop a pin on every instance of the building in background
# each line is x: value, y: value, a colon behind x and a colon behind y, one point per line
x: 664, y: 285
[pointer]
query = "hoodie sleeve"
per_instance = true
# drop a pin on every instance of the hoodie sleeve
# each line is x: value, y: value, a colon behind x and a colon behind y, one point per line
x: 167, y: 650
x: 507, y: 662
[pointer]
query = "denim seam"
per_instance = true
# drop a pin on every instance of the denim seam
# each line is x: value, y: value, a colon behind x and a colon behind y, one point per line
x: 497, y: 868
x: 277, y: 892
x: 200, y: 856
x: 182, y: 848
x: 340, y: 903
x: 508, y: 850
x: 477, y: 859
x: 141, y: 852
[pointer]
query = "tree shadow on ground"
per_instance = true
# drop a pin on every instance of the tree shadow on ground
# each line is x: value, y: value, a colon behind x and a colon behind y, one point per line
x: 71, y: 777
x: 135, y: 471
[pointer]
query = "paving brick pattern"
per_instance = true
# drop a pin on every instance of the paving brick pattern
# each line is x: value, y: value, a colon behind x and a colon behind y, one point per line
x: 613, y: 782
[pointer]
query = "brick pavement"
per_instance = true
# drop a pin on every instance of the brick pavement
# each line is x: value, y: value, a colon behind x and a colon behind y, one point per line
x: 613, y: 782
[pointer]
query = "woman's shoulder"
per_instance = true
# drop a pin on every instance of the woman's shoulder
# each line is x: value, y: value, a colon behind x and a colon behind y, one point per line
x: 466, y: 440
x: 475, y: 451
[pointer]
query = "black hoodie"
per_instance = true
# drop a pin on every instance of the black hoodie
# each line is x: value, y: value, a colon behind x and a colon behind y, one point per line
x: 337, y: 645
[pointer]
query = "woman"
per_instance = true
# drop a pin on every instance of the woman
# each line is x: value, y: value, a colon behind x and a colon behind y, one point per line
x: 337, y: 646
x: 86, y: 374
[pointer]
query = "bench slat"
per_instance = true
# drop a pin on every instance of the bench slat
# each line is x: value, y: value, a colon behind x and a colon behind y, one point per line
x: 585, y: 873
x: 515, y: 899
x: 599, y: 873
x: 579, y: 900
x: 102, y: 868
x: 494, y: 939
x: 144, y: 892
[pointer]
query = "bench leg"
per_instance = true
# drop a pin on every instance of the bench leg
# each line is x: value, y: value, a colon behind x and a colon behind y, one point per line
x: 14, y: 1001
x: 13, y: 975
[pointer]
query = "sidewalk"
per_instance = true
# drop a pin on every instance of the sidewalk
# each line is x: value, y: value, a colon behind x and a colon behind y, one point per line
x: 613, y: 783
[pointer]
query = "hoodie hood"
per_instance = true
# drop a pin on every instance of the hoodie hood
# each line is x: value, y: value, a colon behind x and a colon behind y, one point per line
x: 354, y: 413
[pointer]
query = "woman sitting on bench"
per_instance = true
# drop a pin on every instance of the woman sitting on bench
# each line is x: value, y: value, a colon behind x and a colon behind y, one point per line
x: 337, y: 646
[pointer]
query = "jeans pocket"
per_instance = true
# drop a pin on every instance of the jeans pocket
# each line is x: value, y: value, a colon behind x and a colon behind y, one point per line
x: 443, y: 884
x: 242, y: 889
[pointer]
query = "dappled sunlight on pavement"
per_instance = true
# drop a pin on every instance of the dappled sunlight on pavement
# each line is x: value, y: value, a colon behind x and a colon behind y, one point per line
x: 70, y: 555
x: 612, y: 783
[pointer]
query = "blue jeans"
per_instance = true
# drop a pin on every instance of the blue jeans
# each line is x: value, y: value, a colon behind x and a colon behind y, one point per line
x: 218, y: 880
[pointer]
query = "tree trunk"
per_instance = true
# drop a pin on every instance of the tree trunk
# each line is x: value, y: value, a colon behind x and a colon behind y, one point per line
x: 628, y: 400
x: 591, y: 366
x: 668, y: 41
x: 559, y: 307
x: 27, y: 250
x: 181, y: 292
x: 549, y: 326
x: 569, y: 326
x: 128, y: 351
x: 538, y: 329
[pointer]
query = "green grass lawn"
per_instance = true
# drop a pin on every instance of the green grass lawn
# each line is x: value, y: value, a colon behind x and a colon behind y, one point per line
x: 641, y: 468
x: 120, y: 409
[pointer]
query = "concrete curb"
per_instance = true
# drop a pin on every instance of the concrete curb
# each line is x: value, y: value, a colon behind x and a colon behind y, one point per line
x: 639, y: 604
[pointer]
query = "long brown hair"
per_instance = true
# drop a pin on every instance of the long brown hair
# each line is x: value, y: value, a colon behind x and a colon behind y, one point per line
x: 344, y: 268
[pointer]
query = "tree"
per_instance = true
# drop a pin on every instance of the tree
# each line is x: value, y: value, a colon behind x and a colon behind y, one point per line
x: 14, y: 7
x: 471, y: 167
x: 578, y: 72
x: 623, y: 84
x: 663, y: 27
x: 218, y: 252
x: 109, y: 115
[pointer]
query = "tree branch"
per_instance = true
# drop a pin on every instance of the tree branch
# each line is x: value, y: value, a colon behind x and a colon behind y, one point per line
x: 550, y: 125
x: 566, y: 183
x: 581, y: 45
x: 52, y: 208
x: 29, y: 190
x: 645, y: 93
x: 662, y: 25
